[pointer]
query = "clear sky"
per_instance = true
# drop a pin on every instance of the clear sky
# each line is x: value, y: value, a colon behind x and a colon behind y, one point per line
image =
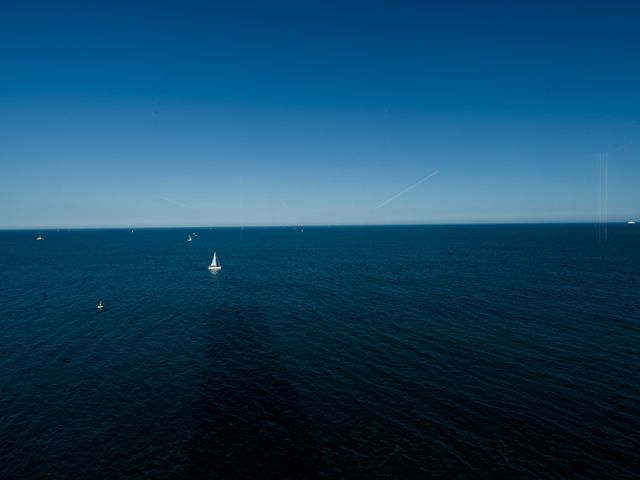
x: 251, y: 113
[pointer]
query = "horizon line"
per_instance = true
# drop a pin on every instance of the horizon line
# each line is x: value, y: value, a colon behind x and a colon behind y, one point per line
x: 311, y: 225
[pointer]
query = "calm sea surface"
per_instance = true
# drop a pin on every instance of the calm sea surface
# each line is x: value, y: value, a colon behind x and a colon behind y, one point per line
x: 345, y: 352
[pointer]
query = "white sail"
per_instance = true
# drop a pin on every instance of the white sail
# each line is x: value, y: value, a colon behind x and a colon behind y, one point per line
x: 215, y: 266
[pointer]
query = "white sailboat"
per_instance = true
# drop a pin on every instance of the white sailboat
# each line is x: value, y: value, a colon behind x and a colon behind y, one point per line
x: 39, y: 237
x: 215, y: 266
x: 100, y: 306
x: 189, y: 239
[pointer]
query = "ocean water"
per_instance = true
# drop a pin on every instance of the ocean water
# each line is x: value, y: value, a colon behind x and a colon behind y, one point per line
x: 333, y: 353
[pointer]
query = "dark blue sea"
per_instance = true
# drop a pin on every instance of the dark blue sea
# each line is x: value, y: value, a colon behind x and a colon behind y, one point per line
x: 409, y: 352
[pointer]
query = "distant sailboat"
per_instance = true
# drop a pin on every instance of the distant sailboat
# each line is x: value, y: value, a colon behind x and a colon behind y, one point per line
x: 39, y: 237
x: 189, y: 239
x: 631, y: 222
x: 215, y: 266
x: 100, y: 306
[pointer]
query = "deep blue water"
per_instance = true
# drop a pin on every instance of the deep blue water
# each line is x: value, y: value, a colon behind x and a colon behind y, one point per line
x: 345, y: 352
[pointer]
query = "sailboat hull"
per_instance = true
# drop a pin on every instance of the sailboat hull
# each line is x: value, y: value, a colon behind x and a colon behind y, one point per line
x: 216, y: 268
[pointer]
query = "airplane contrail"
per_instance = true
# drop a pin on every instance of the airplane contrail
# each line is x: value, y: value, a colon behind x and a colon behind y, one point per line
x: 175, y: 202
x: 410, y: 187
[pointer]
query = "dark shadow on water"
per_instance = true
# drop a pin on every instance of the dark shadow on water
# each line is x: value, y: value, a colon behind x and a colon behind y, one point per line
x: 247, y: 420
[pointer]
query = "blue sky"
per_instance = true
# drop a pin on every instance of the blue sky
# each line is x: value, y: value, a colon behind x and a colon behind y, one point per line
x: 275, y: 113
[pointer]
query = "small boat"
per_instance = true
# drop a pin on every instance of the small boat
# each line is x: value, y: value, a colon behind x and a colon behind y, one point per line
x: 100, y: 306
x: 39, y: 237
x: 195, y: 234
x: 189, y: 239
x: 631, y: 222
x: 215, y: 266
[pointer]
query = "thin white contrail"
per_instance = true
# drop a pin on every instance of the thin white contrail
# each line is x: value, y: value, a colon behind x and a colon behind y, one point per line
x: 175, y: 202
x: 407, y: 189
